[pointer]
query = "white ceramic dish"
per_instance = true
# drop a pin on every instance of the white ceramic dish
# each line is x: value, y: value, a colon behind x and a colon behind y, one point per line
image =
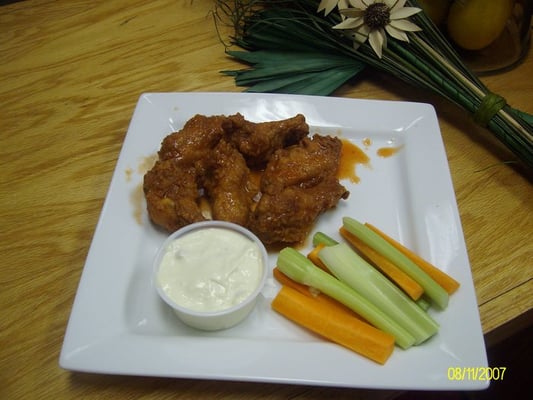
x: 119, y: 325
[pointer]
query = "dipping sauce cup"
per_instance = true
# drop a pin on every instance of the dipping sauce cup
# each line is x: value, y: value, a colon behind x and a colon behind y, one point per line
x: 211, y: 273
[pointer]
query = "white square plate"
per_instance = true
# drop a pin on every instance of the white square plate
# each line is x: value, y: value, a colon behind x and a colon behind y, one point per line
x: 119, y: 325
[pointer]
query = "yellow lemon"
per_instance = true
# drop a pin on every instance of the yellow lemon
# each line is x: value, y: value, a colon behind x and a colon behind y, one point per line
x: 437, y: 10
x: 474, y: 24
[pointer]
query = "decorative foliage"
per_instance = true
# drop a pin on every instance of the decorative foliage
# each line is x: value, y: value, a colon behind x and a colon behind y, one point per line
x: 315, y: 46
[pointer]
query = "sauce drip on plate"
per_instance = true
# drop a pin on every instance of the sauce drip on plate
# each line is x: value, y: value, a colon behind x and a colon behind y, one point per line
x: 351, y: 156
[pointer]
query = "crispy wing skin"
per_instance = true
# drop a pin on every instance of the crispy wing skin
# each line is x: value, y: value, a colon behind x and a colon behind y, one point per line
x: 298, y: 184
x: 173, y: 186
x: 258, y: 141
x: 229, y: 186
x: 172, y: 195
x: 199, y: 135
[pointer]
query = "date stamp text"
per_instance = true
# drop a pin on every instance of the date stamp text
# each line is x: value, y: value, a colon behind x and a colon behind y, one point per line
x: 476, y: 373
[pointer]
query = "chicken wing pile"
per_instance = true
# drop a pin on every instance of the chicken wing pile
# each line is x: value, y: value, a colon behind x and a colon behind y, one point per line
x: 271, y: 177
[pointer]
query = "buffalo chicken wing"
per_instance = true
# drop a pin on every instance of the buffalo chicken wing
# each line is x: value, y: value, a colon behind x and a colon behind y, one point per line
x: 270, y: 177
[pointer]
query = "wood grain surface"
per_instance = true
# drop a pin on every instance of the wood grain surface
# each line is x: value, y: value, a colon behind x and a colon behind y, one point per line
x: 71, y: 73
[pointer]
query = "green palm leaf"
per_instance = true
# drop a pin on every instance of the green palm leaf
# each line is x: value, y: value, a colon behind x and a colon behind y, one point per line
x: 295, y: 73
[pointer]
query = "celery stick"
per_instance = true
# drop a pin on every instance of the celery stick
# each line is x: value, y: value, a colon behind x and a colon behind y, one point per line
x: 322, y: 238
x: 354, y: 271
x: 431, y: 288
x: 423, y: 303
x: 298, y: 267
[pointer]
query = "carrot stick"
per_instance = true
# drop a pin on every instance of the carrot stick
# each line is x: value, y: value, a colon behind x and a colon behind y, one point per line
x: 334, y: 325
x: 313, y: 256
x: 311, y: 292
x: 443, y: 279
x: 284, y: 280
x: 395, y: 274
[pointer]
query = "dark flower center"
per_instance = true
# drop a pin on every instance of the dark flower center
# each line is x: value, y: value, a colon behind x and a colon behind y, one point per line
x: 377, y: 16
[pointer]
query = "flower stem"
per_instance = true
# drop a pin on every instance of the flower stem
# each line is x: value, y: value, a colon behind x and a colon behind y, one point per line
x: 479, y: 92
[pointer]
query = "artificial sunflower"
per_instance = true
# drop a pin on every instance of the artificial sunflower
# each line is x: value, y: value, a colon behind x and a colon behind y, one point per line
x: 373, y: 19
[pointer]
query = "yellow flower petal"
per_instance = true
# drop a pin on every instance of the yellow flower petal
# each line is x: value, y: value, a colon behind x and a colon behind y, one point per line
x: 362, y: 5
x: 375, y: 38
x: 404, y: 25
x: 350, y: 23
x: 396, y: 5
x: 327, y: 6
x: 384, y: 46
x: 396, y: 33
x: 343, y: 4
x: 364, y: 30
x: 404, y: 12
x: 356, y: 43
x: 352, y: 12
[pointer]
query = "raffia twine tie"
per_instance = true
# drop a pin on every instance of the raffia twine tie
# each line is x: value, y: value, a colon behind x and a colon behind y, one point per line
x: 489, y: 107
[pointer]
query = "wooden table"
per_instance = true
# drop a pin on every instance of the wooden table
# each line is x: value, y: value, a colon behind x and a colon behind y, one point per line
x: 71, y: 73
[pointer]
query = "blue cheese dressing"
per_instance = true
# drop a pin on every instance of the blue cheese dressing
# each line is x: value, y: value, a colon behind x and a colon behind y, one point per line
x: 210, y: 269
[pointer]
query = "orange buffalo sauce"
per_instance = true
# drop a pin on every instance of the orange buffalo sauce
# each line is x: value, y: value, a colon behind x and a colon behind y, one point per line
x: 388, y: 151
x: 351, y: 156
